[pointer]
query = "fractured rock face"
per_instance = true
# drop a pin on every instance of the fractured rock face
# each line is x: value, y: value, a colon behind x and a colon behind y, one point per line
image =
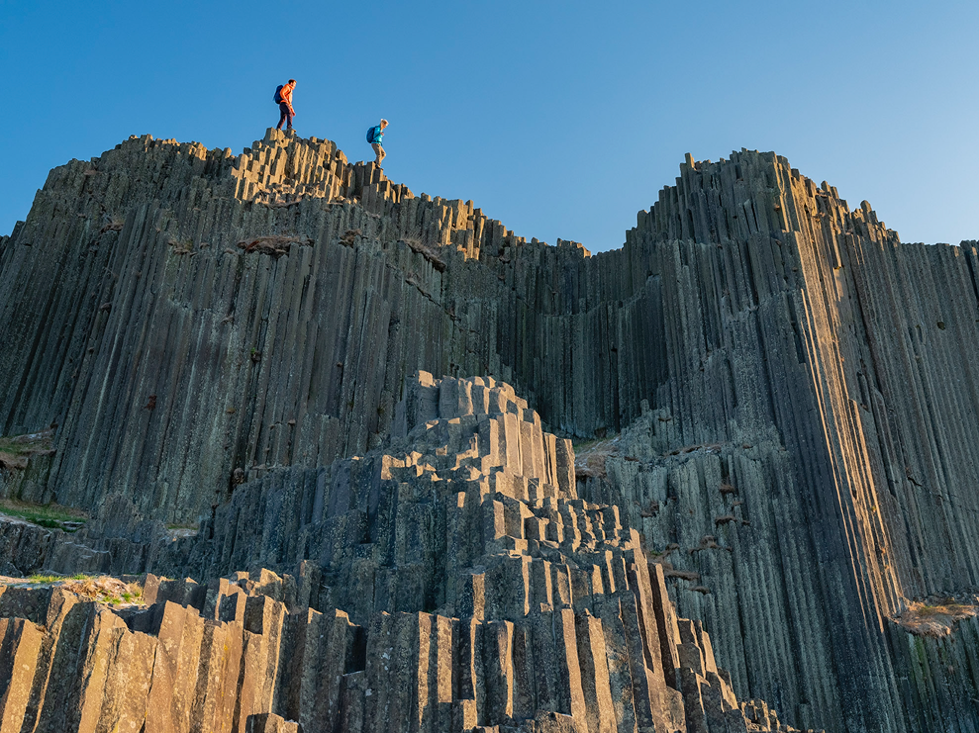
x: 791, y: 388
x: 450, y: 582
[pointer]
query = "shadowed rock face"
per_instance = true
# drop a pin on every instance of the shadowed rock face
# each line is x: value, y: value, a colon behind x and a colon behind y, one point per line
x: 478, y: 592
x: 792, y: 390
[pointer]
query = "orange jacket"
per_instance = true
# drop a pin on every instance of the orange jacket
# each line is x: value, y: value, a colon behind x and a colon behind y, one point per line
x: 286, y: 94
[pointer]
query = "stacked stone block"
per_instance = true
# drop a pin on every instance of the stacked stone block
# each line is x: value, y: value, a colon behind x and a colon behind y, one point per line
x: 748, y: 307
x: 549, y: 615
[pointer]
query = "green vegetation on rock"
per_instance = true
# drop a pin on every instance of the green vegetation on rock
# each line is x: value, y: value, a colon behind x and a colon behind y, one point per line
x: 16, y: 450
x: 51, y: 516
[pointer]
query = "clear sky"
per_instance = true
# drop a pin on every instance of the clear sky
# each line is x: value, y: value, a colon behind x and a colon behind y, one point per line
x: 561, y: 119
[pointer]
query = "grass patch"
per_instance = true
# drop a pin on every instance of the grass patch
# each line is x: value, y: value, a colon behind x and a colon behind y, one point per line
x: 16, y: 447
x: 37, y: 578
x: 100, y: 588
x: 52, y: 516
x: 44, y: 578
x: 104, y: 589
x: 16, y: 450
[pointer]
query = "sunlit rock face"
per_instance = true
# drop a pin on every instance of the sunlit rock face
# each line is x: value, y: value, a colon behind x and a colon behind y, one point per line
x: 454, y: 581
x: 783, y: 397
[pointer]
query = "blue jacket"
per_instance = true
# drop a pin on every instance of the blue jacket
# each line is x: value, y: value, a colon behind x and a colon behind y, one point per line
x: 378, y: 135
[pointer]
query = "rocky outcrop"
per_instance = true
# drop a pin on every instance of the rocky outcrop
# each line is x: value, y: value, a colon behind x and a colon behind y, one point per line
x: 239, y: 654
x: 460, y: 585
x: 791, y: 387
x: 812, y: 384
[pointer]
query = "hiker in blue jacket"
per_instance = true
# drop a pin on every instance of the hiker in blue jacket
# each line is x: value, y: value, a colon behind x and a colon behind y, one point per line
x: 375, y: 138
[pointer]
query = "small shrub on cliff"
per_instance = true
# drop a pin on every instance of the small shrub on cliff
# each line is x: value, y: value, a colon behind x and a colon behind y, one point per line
x: 935, y: 619
x: 275, y: 245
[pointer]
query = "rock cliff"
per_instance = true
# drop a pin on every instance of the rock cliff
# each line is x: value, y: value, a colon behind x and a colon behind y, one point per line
x: 781, y: 396
x: 477, y: 592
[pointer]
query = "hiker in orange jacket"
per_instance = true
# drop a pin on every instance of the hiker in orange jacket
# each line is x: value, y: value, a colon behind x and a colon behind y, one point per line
x: 286, y: 112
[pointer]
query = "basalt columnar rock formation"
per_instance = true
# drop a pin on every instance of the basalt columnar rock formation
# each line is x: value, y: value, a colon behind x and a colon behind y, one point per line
x: 461, y: 585
x: 782, y: 399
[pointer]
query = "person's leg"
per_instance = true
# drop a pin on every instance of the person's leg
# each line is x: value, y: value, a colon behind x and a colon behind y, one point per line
x: 378, y: 153
x: 283, y: 114
x: 289, y: 117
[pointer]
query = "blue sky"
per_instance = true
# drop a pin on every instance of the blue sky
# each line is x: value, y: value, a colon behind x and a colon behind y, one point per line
x: 562, y: 119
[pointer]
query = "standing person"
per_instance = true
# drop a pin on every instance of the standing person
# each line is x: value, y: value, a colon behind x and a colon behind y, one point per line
x: 375, y: 136
x: 284, y: 98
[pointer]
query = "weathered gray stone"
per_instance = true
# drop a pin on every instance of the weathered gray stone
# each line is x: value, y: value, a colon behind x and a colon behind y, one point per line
x: 524, y: 653
x: 792, y: 385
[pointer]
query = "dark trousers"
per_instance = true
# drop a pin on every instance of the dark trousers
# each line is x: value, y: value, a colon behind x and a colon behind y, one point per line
x: 284, y: 116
